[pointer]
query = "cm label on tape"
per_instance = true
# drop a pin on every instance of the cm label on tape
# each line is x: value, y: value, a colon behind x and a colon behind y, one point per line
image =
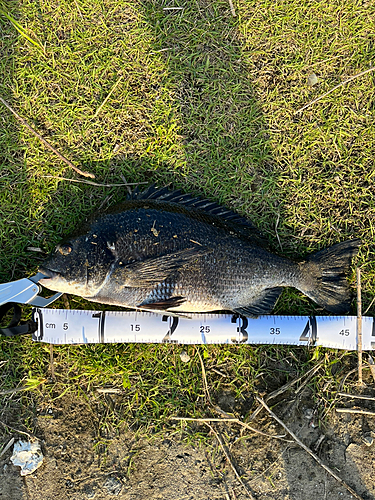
x: 63, y: 326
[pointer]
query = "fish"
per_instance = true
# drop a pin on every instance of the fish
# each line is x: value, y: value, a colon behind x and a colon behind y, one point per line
x: 169, y: 252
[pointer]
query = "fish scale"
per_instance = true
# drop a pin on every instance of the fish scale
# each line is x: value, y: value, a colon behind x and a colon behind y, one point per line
x: 168, y: 252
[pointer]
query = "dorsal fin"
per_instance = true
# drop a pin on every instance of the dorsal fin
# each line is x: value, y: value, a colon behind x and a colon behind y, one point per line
x: 187, y: 200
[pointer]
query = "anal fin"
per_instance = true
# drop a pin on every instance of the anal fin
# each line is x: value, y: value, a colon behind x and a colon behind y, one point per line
x: 263, y: 304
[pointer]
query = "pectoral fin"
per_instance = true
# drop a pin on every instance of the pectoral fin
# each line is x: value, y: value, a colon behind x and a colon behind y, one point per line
x: 152, y: 271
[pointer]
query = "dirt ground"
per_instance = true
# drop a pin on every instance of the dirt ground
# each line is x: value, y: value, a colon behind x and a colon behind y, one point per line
x: 79, y: 465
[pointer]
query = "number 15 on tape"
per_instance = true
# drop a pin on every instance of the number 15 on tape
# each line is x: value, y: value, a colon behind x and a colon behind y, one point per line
x: 61, y: 326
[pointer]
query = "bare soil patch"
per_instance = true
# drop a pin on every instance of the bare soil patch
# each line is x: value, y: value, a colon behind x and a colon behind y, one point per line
x: 80, y: 465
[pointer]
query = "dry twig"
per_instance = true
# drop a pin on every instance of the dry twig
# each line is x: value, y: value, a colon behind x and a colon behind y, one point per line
x: 47, y: 144
x: 34, y: 249
x: 109, y: 390
x: 219, y: 372
x: 108, y: 96
x: 190, y: 419
x: 228, y: 457
x: 51, y: 363
x: 30, y: 436
x: 311, y: 453
x: 335, y: 88
x: 287, y: 386
x: 14, y: 390
x: 204, y: 378
x: 309, y: 376
x: 350, y: 372
x: 90, y: 182
x: 232, y: 9
x: 359, y: 325
x: 371, y: 365
x: 6, y: 448
x: 79, y: 10
x: 233, y: 420
x: 277, y: 234
x: 356, y: 396
x: 226, y: 416
x: 369, y: 307
x: 245, y: 425
x: 354, y: 410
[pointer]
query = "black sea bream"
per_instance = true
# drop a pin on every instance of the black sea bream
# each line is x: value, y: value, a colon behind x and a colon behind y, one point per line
x: 169, y: 252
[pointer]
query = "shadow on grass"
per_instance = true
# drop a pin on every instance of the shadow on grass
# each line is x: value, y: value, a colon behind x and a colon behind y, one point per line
x: 223, y: 131
x: 205, y: 132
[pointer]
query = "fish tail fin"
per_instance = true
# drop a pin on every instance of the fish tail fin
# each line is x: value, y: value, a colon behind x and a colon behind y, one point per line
x: 324, y: 276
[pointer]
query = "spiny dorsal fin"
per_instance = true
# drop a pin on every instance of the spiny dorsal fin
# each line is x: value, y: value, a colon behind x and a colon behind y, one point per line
x: 187, y: 200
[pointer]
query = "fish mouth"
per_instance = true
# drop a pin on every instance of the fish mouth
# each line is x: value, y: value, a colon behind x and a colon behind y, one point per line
x: 48, y: 274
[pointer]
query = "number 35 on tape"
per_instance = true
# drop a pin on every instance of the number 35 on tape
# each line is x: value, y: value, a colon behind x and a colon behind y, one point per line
x: 62, y: 326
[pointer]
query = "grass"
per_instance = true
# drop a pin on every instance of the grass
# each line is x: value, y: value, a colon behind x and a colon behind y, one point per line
x: 206, y: 102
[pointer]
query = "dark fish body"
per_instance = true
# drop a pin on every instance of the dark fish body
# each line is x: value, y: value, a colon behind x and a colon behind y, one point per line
x: 169, y: 252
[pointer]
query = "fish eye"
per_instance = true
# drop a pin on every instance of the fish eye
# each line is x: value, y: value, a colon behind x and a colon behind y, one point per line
x: 65, y: 248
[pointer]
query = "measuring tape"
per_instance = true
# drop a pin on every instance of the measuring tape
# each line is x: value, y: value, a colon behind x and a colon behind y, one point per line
x: 65, y: 326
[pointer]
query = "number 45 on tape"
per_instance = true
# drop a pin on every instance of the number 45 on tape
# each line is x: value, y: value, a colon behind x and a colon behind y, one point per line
x: 62, y: 326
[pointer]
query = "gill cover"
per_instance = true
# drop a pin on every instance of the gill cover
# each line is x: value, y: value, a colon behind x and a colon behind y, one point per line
x: 78, y: 265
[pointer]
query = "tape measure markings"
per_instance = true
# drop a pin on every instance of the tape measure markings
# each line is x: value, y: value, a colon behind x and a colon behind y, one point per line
x: 64, y: 326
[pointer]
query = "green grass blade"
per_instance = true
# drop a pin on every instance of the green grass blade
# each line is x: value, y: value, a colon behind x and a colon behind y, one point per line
x: 21, y: 30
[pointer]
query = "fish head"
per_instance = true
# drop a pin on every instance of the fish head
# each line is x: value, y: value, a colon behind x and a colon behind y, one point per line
x: 78, y: 265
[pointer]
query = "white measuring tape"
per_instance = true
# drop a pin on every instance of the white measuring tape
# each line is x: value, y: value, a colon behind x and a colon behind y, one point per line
x: 65, y: 326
